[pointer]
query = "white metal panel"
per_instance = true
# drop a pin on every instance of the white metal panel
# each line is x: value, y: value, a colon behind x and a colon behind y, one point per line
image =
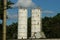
x: 23, y: 22
x: 23, y: 26
x: 22, y: 30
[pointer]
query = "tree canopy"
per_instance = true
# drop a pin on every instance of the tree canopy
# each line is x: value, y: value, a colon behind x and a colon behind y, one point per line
x: 2, y: 6
x: 51, y: 26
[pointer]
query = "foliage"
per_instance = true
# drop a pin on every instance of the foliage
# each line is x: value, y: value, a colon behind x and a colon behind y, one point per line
x: 29, y: 27
x: 51, y: 26
x: 2, y: 7
x: 12, y: 31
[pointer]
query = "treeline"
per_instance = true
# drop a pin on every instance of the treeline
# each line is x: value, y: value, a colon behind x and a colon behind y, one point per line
x: 50, y: 26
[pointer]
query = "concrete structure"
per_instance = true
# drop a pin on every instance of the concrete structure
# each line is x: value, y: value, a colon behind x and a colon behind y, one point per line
x: 36, y: 23
x: 22, y: 23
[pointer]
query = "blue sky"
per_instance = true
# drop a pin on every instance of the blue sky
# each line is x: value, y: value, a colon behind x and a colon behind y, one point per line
x: 48, y: 7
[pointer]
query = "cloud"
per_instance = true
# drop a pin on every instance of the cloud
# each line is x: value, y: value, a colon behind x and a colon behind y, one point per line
x: 47, y: 11
x: 24, y: 3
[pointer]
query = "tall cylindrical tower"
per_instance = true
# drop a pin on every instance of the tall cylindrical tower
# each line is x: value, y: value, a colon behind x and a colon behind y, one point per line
x: 36, y: 23
x: 22, y: 23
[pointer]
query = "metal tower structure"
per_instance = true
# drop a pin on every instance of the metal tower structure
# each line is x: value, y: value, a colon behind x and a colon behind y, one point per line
x: 22, y: 23
x: 36, y: 23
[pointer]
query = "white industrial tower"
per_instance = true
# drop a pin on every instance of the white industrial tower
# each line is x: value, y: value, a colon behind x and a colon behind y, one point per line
x: 36, y: 23
x: 36, y: 26
x: 22, y: 23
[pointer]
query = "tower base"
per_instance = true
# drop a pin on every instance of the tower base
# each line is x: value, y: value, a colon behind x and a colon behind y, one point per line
x: 39, y: 35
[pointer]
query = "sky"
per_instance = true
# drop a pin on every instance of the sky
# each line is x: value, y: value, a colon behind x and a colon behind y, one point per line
x: 48, y: 8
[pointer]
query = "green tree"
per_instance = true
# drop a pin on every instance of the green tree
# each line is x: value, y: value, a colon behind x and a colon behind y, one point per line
x: 12, y: 31
x: 51, y: 26
x: 2, y: 6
